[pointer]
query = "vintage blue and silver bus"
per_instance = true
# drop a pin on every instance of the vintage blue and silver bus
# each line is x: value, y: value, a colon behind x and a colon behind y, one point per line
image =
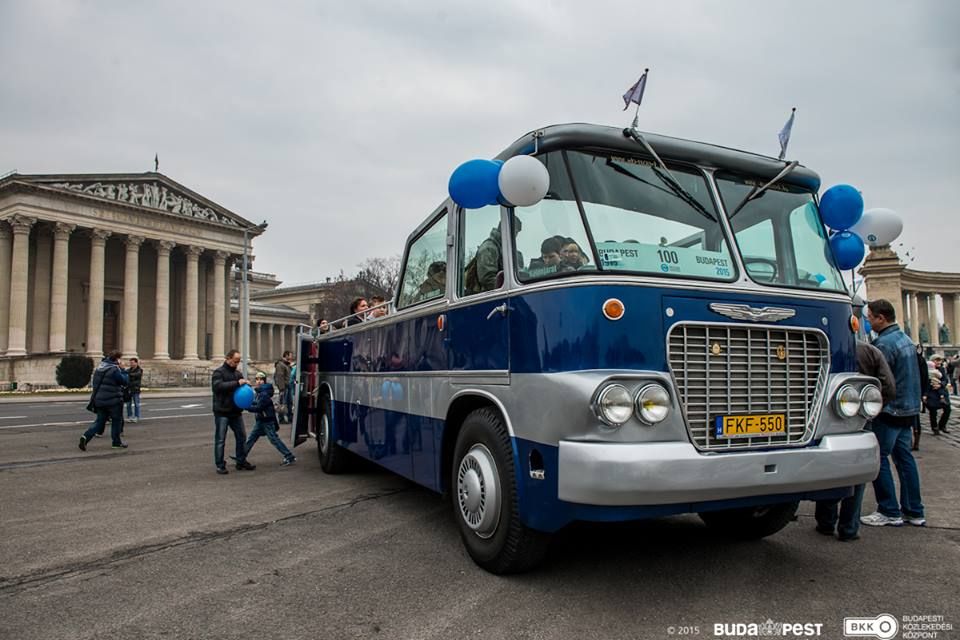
x: 665, y: 332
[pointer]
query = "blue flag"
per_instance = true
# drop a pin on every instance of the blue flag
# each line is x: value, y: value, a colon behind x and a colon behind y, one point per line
x: 784, y: 135
x: 635, y: 93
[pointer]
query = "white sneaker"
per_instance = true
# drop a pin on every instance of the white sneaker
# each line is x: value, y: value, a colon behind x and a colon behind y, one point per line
x: 917, y: 522
x: 877, y: 519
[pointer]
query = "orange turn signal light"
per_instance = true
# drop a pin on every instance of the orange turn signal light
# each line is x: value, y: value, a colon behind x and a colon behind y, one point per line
x: 854, y: 324
x: 613, y: 309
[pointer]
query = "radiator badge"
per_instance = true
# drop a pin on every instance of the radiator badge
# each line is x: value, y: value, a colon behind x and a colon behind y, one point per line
x: 753, y: 314
x: 781, y: 352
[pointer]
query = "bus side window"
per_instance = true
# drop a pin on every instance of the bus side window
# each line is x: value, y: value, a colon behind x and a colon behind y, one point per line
x: 481, y: 250
x: 425, y: 272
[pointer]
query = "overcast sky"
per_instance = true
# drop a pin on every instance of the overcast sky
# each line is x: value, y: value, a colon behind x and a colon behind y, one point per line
x: 340, y: 122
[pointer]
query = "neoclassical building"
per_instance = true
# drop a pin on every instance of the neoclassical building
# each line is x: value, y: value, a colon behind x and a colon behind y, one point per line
x: 914, y: 296
x: 135, y: 262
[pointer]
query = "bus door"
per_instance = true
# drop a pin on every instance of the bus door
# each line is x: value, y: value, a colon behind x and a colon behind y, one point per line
x: 306, y: 398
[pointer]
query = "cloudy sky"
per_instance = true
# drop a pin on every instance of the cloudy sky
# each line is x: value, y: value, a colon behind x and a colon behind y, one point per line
x: 340, y: 122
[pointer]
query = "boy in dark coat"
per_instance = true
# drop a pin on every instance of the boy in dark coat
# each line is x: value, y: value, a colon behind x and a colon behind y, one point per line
x: 266, y: 424
x: 936, y: 399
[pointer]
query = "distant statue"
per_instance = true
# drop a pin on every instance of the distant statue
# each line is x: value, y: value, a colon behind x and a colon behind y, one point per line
x: 944, y: 334
x: 924, y: 333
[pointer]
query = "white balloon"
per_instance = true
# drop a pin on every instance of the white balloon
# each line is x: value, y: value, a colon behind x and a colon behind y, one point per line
x: 523, y: 181
x: 878, y: 227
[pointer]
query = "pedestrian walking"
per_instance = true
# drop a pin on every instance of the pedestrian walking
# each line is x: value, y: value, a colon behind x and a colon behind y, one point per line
x: 281, y: 376
x: 135, y: 373
x: 936, y: 400
x: 846, y: 523
x: 226, y: 379
x: 266, y: 424
x: 892, y: 426
x: 106, y: 400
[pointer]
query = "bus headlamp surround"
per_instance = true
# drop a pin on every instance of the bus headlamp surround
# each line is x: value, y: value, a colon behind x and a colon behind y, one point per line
x: 848, y: 401
x: 871, y: 401
x: 653, y: 403
x: 614, y: 406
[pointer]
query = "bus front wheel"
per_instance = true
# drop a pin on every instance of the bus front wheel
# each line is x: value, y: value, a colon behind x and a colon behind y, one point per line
x: 484, y: 498
x: 751, y: 523
x: 333, y: 458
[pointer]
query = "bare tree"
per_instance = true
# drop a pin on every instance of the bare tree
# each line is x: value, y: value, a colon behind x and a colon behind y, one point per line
x: 381, y: 273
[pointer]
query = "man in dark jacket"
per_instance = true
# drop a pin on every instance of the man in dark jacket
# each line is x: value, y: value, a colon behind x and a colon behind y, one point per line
x: 225, y: 380
x: 107, y: 399
x: 281, y: 376
x: 870, y: 362
x: 266, y: 423
x: 135, y: 373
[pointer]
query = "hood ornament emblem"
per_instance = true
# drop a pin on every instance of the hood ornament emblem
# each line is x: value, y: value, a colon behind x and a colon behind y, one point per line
x: 753, y: 314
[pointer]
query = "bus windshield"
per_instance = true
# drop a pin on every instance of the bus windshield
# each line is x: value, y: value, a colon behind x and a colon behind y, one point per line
x: 634, y: 220
x: 780, y: 235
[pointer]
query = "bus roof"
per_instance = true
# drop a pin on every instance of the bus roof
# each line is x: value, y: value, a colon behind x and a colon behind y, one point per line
x: 581, y: 135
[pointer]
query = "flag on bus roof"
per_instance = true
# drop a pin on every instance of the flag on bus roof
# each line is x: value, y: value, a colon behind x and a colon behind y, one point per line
x: 784, y: 135
x: 635, y: 93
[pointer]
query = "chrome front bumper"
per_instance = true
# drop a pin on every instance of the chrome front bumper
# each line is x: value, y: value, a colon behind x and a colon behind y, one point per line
x: 675, y: 472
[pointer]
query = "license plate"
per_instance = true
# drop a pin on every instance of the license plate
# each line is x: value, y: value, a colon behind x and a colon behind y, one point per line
x: 750, y: 425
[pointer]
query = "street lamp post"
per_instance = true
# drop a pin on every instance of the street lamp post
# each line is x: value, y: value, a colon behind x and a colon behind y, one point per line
x: 245, y: 299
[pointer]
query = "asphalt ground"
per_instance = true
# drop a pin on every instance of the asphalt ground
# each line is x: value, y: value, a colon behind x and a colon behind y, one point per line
x: 149, y: 542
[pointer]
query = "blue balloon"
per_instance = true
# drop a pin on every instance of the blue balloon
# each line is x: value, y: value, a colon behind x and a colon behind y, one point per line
x: 867, y: 328
x: 841, y: 207
x: 848, y: 249
x: 243, y: 396
x: 473, y: 184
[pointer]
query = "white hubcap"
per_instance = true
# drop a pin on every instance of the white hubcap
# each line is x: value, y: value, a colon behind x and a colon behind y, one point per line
x: 478, y: 491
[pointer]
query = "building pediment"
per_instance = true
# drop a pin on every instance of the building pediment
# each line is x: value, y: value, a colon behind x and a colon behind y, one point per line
x: 150, y: 191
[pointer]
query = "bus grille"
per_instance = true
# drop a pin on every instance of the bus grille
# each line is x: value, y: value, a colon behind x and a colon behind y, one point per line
x: 728, y: 369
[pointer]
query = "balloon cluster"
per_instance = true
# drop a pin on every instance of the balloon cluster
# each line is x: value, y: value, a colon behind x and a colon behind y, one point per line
x: 521, y: 181
x: 841, y: 209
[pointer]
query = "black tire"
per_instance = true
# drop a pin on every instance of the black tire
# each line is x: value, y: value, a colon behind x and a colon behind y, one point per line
x: 751, y: 523
x: 495, y: 537
x: 334, y: 459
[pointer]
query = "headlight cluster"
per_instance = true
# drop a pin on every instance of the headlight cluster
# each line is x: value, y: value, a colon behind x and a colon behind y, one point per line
x: 614, y: 404
x: 867, y: 401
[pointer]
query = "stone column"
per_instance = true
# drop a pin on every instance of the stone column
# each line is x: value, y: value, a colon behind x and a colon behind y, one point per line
x: 192, y: 321
x: 219, y: 284
x: 948, y: 316
x: 923, y: 315
x: 6, y: 249
x: 914, y: 318
x: 954, y: 337
x: 58, y: 286
x: 934, y: 321
x: 161, y: 339
x: 98, y: 244
x: 259, y: 341
x: 19, y: 268
x: 131, y: 296
x: 40, y: 320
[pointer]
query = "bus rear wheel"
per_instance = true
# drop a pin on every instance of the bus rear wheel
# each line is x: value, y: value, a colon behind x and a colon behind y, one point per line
x: 334, y: 459
x: 484, y: 497
x: 751, y: 523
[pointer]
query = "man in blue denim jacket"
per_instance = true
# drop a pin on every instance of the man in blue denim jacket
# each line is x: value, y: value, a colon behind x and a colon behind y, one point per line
x: 893, y: 426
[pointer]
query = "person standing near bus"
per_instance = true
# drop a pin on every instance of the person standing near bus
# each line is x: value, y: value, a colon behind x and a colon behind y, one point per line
x: 893, y: 426
x: 226, y: 414
x: 281, y: 376
x: 266, y: 424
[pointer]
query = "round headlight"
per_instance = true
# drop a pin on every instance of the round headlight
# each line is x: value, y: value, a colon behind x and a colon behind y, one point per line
x: 871, y: 402
x: 614, y: 405
x: 653, y: 403
x: 848, y: 401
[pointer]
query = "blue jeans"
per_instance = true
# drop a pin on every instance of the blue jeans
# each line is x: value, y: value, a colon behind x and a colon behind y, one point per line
x: 895, y: 441
x: 115, y: 414
x: 133, y: 406
x: 235, y: 423
x: 268, y: 428
x: 848, y: 523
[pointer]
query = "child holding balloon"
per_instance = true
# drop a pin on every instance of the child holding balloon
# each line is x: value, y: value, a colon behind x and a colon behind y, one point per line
x: 266, y: 423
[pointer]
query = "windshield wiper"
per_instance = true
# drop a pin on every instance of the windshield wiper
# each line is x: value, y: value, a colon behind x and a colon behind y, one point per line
x: 664, y: 174
x: 676, y: 191
x: 756, y: 192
